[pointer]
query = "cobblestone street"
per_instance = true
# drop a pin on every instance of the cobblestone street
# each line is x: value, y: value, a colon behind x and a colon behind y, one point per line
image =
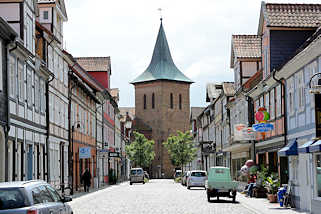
x: 157, y: 196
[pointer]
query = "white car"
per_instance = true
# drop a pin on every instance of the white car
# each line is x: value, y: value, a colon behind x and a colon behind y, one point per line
x: 196, y: 178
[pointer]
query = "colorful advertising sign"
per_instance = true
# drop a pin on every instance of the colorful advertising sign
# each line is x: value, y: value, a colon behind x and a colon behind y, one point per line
x: 242, y: 132
x: 263, y: 127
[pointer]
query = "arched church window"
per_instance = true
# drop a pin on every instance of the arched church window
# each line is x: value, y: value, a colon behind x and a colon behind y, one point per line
x: 153, y: 100
x: 171, y: 101
x: 180, y: 101
x: 145, y: 101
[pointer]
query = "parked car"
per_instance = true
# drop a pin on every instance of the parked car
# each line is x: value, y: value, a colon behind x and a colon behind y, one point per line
x: 136, y: 176
x: 177, y: 173
x: 196, y: 178
x: 32, y: 197
x: 185, y: 176
x: 146, y: 175
x: 220, y: 184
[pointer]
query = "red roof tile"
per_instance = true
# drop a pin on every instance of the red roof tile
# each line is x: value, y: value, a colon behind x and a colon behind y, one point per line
x: 94, y: 63
x: 246, y: 46
x: 292, y: 15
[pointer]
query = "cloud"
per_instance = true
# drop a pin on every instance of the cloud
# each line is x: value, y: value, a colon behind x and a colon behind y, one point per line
x: 198, y: 33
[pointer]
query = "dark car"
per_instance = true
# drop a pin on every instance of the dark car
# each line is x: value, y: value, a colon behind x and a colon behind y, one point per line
x: 32, y: 197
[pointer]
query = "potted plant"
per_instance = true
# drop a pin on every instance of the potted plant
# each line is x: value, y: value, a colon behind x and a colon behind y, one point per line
x: 272, y: 184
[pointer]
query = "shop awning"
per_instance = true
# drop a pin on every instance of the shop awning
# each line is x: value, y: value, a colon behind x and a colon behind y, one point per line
x: 290, y: 149
x: 305, y: 148
x: 316, y: 147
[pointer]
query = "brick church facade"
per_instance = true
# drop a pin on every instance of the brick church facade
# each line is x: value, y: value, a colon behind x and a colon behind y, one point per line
x: 162, y: 102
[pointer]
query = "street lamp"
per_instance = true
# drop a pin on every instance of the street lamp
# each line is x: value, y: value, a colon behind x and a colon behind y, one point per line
x: 316, y: 89
x: 77, y: 125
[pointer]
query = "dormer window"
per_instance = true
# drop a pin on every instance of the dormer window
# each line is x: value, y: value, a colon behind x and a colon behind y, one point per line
x: 45, y: 15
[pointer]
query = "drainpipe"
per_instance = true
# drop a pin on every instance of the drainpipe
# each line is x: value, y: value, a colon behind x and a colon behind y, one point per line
x: 284, y: 105
x: 7, y: 128
x: 48, y: 126
x: 70, y: 134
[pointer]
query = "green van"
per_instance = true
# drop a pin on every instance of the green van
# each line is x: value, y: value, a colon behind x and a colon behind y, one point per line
x: 220, y: 184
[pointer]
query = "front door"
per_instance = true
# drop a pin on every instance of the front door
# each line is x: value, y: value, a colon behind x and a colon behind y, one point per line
x: 29, y: 162
x: 305, y: 182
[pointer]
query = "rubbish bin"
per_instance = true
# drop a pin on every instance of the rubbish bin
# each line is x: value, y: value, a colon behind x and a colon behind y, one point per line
x: 280, y: 194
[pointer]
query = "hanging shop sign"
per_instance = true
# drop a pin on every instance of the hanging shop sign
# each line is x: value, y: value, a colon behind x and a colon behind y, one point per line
x: 84, y: 152
x: 242, y: 133
x: 263, y: 127
x: 113, y: 154
x: 262, y: 116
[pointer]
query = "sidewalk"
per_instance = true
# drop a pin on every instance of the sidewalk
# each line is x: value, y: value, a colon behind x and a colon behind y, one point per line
x: 92, y: 190
x: 263, y: 206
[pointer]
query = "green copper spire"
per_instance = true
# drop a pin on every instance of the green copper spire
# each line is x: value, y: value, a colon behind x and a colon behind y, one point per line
x: 162, y: 66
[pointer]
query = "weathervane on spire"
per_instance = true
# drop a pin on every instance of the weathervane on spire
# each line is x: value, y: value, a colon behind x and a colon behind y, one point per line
x: 160, y: 13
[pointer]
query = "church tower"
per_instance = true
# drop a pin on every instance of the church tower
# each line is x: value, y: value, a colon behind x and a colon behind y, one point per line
x: 162, y: 101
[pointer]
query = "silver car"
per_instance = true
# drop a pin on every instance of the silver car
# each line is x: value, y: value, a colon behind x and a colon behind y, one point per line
x: 137, y: 176
x: 196, y: 178
x: 32, y: 197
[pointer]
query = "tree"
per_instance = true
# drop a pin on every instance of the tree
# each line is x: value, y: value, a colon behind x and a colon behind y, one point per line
x: 141, y: 151
x: 180, y: 148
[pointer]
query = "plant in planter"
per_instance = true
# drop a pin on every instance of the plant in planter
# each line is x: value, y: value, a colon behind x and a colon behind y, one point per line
x: 272, y: 184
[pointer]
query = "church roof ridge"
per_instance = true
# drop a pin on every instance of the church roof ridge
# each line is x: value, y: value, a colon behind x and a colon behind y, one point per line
x: 162, y: 66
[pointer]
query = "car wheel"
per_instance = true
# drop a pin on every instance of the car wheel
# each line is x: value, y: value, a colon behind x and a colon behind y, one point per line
x: 218, y: 198
x: 208, y: 197
x: 143, y: 182
x: 131, y: 183
x: 188, y: 187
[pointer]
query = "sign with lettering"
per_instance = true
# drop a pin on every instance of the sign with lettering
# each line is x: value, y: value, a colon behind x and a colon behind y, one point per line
x: 263, y: 127
x: 84, y: 152
x: 113, y: 154
x: 102, y: 152
x: 242, y: 132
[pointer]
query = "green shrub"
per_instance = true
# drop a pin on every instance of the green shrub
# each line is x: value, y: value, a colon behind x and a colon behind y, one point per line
x: 178, y: 180
x: 146, y: 180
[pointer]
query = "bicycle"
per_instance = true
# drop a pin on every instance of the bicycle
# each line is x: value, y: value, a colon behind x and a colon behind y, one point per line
x: 288, y: 197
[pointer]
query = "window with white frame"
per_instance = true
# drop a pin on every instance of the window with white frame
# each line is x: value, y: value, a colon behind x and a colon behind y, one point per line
x: 29, y: 87
x: 262, y: 101
x: 1, y: 71
x: 278, y: 101
x: 37, y: 94
x: 21, y: 80
x: 94, y: 126
x: 13, y: 77
x: 29, y: 33
x: 272, y: 104
x: 300, y: 90
x: 42, y: 96
x: 267, y: 102
x: 291, y: 95
x: 66, y: 74
x: 265, y: 70
x: 313, y: 70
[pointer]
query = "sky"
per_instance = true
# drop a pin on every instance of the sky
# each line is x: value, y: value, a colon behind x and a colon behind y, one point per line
x: 198, y: 33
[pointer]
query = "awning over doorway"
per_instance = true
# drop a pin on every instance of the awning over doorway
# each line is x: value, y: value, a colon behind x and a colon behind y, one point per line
x: 305, y: 148
x: 315, y: 147
x: 290, y: 149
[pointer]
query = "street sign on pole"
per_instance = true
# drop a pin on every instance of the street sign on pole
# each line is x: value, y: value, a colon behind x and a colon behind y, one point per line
x: 263, y: 127
x: 102, y: 152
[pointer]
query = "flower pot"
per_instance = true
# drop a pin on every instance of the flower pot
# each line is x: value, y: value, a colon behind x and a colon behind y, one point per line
x: 272, y: 198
